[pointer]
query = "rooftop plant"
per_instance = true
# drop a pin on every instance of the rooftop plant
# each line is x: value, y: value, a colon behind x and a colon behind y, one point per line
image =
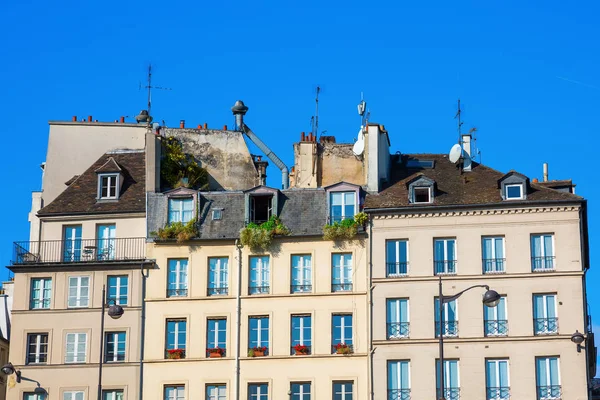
x: 344, y: 229
x: 179, y: 168
x: 260, y: 236
x: 177, y: 230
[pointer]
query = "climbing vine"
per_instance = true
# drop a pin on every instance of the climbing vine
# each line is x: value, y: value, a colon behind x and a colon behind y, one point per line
x: 180, y: 169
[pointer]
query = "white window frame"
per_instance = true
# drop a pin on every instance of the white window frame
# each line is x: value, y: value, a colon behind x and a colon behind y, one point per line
x: 497, y: 377
x: 343, y: 205
x: 215, y: 332
x: 218, y: 395
x: 38, y: 347
x: 72, y: 394
x: 180, y: 210
x: 301, y: 271
x: 217, y: 214
x: 495, y: 316
x: 216, y: 272
x: 545, y: 311
x: 446, y: 307
x: 343, y: 393
x: 397, y: 301
x: 493, y: 255
x: 38, y: 304
x: 343, y: 326
x: 75, y: 355
x: 429, y: 196
x: 342, y: 267
x: 445, y: 261
x: 512, y: 185
x: 259, y: 395
x: 398, y: 377
x: 179, y: 285
x: 543, y: 254
x: 447, y: 373
x: 78, y: 299
x: 548, y: 374
x: 301, y: 328
x: 112, y: 394
x: 259, y: 284
x: 259, y: 340
x: 179, y: 392
x: 301, y: 386
x: 115, y: 355
x: 176, y: 344
x: 397, y: 251
x: 117, y: 298
x: 111, y: 195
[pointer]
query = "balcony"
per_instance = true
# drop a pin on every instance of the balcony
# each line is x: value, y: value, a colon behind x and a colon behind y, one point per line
x: 218, y: 291
x: 542, y: 264
x: 177, y: 292
x: 341, y: 287
x: 398, y: 394
x: 450, y: 329
x: 496, y: 327
x: 301, y: 288
x: 258, y: 290
x: 397, y: 269
x: 498, y: 393
x: 445, y: 267
x: 493, y: 265
x: 398, y: 330
x: 451, y: 393
x: 549, y: 392
x: 545, y: 326
x: 79, y: 251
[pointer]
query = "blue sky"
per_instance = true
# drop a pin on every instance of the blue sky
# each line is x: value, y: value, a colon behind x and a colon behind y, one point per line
x: 527, y: 75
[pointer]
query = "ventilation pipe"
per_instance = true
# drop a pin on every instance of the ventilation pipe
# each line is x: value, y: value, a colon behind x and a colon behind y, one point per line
x: 545, y: 172
x: 239, y: 110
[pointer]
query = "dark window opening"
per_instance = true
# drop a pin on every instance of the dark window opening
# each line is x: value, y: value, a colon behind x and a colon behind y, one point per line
x: 421, y: 195
x: 261, y: 208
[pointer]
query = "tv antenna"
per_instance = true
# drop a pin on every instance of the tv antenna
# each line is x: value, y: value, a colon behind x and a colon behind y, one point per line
x: 362, y: 110
x: 457, y: 116
x: 150, y: 87
x: 315, y: 119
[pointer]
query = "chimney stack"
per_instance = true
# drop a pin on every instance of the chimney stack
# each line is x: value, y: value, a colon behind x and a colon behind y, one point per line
x: 545, y: 172
x: 224, y: 127
x: 466, y: 145
x: 89, y: 118
x: 74, y: 118
x: 182, y: 124
x: 122, y: 120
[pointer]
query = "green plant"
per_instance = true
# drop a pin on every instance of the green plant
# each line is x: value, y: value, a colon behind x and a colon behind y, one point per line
x: 260, y: 236
x: 180, y: 169
x: 345, y: 229
x: 361, y: 218
x: 177, y: 230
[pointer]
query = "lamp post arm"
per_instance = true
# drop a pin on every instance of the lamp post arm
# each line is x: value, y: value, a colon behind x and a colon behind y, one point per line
x: 448, y: 299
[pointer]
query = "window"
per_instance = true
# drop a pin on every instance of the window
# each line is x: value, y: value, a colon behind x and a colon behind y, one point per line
x: 300, y: 391
x: 216, y: 392
x: 106, y: 237
x: 41, y: 292
x: 450, y: 311
x: 495, y: 321
x: 342, y: 272
x: 107, y: 186
x: 445, y: 256
x: 421, y: 190
x: 261, y: 208
x: 258, y: 335
x: 114, y: 344
x: 422, y: 195
x: 497, y: 380
x: 175, y: 392
x: 341, y: 334
x: 33, y: 396
x: 176, y: 337
x: 37, y: 348
x: 217, y: 214
x: 397, y: 318
x: 451, y: 379
x: 112, y: 395
x: 301, y: 274
x: 216, y: 334
x: 218, y: 276
x: 493, y: 254
x: 72, y: 243
x: 301, y: 334
x: 177, y: 277
x: 76, y: 348
x: 78, y: 395
x: 545, y: 320
x: 542, y: 252
x: 118, y: 289
x: 399, y: 380
x: 513, y: 192
x: 343, y: 390
x: 396, y: 258
x: 420, y: 164
x: 342, y: 206
x: 258, y: 391
x: 548, y: 378
x: 259, y: 275
x: 79, y: 287
x: 181, y: 210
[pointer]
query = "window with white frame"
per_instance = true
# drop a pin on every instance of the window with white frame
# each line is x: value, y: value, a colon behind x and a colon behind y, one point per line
x: 545, y: 319
x: 492, y: 248
x: 174, y: 392
x: 497, y: 380
x: 342, y: 205
x: 398, y: 325
x: 79, y: 290
x: 301, y: 333
x: 547, y: 371
x: 217, y: 214
x: 343, y: 390
x: 72, y: 243
x: 258, y: 335
x: 399, y: 380
x: 450, y: 311
x: 176, y: 338
x: 177, y: 277
x: 513, y: 191
x: 300, y: 391
x: 41, y: 293
x: 216, y: 392
x: 106, y: 247
x: 74, y: 395
x: 542, y: 252
x: 396, y: 254
x: 33, y: 396
x: 112, y: 395
x: 115, y: 344
x: 76, y: 348
x: 181, y: 210
x: 422, y: 194
x: 301, y: 273
x: 218, y: 276
x: 495, y: 320
x: 216, y: 334
x: 341, y: 333
x: 341, y: 272
x: 451, y: 379
x: 37, y: 348
x: 118, y: 289
x: 258, y: 391
x: 259, y: 275
x: 444, y: 256
x: 108, y: 186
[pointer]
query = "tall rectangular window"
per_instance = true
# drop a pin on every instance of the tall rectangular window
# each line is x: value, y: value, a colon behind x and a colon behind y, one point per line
x: 497, y: 380
x: 218, y: 276
x: 542, y: 252
x: 177, y: 277
x: 396, y: 254
x: 41, y: 293
x: 451, y: 379
x: 216, y: 335
x: 112, y: 395
x: 341, y: 272
x: 399, y: 380
x: 175, y: 392
x: 342, y: 206
x: 341, y: 334
x: 181, y: 210
x: 258, y: 391
x: 76, y: 347
x: 118, y: 289
x: 301, y: 273
x: 72, y: 243
x: 79, y: 290
x: 444, y: 256
x: 397, y: 319
x: 493, y: 254
x: 114, y: 344
x: 106, y: 236
x: 450, y: 326
x: 495, y: 320
x: 176, y: 338
x: 258, y: 335
x: 259, y: 275
x: 107, y: 186
x: 37, y: 348
x: 300, y: 391
x: 33, y: 396
x: 548, y: 378
x: 216, y: 392
x: 301, y: 334
x: 343, y: 390
x: 74, y: 395
x: 545, y: 319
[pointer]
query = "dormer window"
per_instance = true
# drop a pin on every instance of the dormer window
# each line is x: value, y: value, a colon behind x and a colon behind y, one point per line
x: 514, y: 192
x: 181, y: 209
x: 513, y: 186
x: 261, y: 208
x: 343, y: 206
x: 421, y: 190
x: 108, y: 185
x: 422, y: 195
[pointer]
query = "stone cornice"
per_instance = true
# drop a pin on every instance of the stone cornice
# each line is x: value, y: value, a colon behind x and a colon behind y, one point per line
x: 473, y: 212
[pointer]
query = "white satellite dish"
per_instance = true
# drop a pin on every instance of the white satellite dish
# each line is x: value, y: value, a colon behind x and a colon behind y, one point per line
x: 359, y: 145
x: 456, y: 153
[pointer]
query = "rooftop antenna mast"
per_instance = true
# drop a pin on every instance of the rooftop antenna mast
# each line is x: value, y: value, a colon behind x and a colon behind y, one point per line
x: 315, y: 119
x: 458, y: 112
x: 150, y: 87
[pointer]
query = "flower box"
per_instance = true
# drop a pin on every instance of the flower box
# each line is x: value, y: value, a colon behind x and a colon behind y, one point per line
x: 301, y: 350
x: 215, y: 352
x: 175, y: 354
x: 342, y: 348
x: 257, y: 351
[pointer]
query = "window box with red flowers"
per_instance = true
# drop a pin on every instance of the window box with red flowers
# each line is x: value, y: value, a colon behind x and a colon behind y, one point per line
x: 257, y: 351
x: 343, y: 348
x: 175, y: 354
x: 301, y: 350
x: 215, y: 352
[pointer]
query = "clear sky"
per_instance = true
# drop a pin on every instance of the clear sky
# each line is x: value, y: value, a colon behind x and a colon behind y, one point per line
x: 527, y: 75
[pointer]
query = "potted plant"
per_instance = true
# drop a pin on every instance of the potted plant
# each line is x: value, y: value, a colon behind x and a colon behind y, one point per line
x: 257, y: 351
x: 301, y: 349
x: 343, y: 348
x: 175, y: 354
x: 215, y: 352
x: 259, y: 237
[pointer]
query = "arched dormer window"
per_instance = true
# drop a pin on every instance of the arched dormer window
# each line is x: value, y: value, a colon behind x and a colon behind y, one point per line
x: 421, y: 190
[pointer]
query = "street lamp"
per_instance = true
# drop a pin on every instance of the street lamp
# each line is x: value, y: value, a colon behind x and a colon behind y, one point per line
x: 491, y: 298
x: 578, y: 339
x: 9, y: 369
x: 115, y: 311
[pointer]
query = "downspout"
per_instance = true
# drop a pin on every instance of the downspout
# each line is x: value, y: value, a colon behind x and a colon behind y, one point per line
x: 584, y: 261
x: 238, y: 333
x: 142, y: 332
x: 370, y: 312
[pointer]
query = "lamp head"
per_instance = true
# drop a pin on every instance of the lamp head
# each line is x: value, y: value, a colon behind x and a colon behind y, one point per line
x: 491, y: 298
x: 40, y: 391
x: 577, y: 337
x: 8, y: 369
x: 115, y: 311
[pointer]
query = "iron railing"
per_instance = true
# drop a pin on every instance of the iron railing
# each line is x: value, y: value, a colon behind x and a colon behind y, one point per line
x: 301, y: 288
x: 79, y: 251
x: 112, y: 357
x: 498, y: 393
x: 398, y: 394
x: 341, y: 287
x: 308, y: 350
x: 496, y: 327
x: 545, y: 326
x: 450, y: 329
x: 259, y: 289
x: 545, y: 263
x: 218, y: 291
x: 398, y: 330
x: 493, y: 265
x: 397, y: 269
x: 549, y: 392
x: 177, y: 292
x: 450, y: 393
x: 445, y: 267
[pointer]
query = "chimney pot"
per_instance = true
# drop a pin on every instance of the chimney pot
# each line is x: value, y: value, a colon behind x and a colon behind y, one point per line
x: 182, y: 124
x: 74, y: 119
x: 89, y: 118
x: 199, y: 126
x: 122, y: 120
x: 302, y: 137
x: 224, y: 127
x: 205, y: 125
x: 535, y: 180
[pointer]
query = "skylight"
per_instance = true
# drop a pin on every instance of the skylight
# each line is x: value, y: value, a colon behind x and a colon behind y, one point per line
x: 420, y: 164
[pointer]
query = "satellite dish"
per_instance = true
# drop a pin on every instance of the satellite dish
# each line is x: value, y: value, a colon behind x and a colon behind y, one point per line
x: 359, y: 145
x: 456, y: 153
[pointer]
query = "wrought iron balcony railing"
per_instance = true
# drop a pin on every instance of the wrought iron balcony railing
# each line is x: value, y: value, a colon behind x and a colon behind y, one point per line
x: 549, y: 392
x: 398, y: 330
x: 177, y: 292
x: 450, y: 393
x: 498, y: 393
x: 397, y: 269
x: 493, y: 265
x: 540, y: 264
x: 450, y: 329
x: 545, y: 326
x: 496, y: 327
x: 307, y: 288
x: 341, y: 287
x: 447, y: 267
x: 218, y: 291
x: 79, y: 251
x: 398, y: 394
x: 258, y: 290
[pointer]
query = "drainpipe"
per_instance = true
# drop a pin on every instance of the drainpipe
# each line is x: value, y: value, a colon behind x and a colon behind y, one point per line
x: 370, y: 311
x: 238, y: 333
x: 142, y: 332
